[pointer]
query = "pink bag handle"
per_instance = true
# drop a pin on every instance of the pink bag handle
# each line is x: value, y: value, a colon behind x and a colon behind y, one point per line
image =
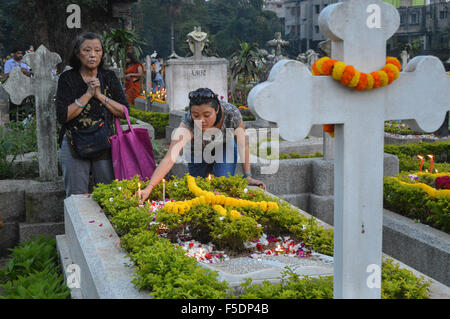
x: 118, y: 127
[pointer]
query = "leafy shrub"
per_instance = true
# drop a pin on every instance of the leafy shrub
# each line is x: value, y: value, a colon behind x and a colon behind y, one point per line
x: 159, y: 121
x: 45, y: 284
x: 407, y: 155
x: 396, y: 283
x: 417, y: 204
x: 30, y: 256
x: 32, y: 272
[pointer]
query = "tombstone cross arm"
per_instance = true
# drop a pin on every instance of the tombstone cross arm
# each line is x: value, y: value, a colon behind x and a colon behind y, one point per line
x: 304, y: 100
x: 18, y: 86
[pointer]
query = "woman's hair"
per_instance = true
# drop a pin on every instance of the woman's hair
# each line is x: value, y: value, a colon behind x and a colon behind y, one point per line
x: 206, y: 96
x: 74, y: 61
x: 133, y: 58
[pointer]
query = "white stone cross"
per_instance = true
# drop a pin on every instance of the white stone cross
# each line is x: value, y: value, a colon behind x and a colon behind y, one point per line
x: 43, y: 86
x: 296, y: 100
x: 148, y: 74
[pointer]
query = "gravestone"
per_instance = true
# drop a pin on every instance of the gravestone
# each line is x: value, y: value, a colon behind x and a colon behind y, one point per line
x: 148, y: 74
x: 405, y: 57
x: 420, y: 94
x: 4, y: 106
x: 42, y: 86
x: 184, y: 75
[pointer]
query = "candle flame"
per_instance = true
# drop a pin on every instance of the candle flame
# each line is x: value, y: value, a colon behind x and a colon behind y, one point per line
x: 426, y: 170
x: 430, y: 156
x: 209, y: 177
x: 420, y: 156
x: 436, y: 171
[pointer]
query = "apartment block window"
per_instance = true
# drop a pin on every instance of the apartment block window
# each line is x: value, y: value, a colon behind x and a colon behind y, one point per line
x: 298, y: 11
x: 317, y: 7
x: 316, y: 28
x: 292, y: 11
x: 414, y: 18
x: 443, y: 14
x: 402, y: 19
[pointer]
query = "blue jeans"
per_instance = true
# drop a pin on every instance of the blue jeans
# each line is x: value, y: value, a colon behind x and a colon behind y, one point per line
x: 217, y: 169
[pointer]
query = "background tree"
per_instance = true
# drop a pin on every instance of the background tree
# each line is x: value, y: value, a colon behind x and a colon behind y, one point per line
x: 244, y: 65
x: 36, y: 22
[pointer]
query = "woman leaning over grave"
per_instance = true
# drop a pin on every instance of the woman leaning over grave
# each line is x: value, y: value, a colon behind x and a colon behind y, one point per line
x: 87, y: 100
x: 218, y: 130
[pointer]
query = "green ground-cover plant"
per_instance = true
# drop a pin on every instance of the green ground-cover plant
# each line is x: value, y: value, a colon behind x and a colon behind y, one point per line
x: 407, y: 155
x: 17, y: 139
x: 396, y: 283
x: 162, y: 267
x: 159, y: 121
x: 32, y: 272
x: 416, y: 204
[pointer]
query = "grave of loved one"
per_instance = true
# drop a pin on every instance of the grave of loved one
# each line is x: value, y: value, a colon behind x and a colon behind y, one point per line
x: 358, y: 30
x: 184, y: 75
x: 42, y: 85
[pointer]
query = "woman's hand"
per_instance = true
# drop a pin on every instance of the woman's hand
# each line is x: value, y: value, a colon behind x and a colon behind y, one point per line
x: 145, y: 193
x: 93, y: 87
x: 255, y: 182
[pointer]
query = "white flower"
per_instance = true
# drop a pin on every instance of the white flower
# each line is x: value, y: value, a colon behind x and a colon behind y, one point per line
x: 303, y: 227
x: 175, y: 184
x: 119, y: 188
x: 111, y: 199
x: 245, y: 190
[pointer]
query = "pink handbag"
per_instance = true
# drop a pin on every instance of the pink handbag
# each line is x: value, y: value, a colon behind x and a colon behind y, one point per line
x: 132, y: 152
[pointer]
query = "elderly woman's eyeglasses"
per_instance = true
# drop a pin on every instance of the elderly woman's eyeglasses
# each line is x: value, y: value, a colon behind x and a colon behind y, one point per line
x: 202, y: 93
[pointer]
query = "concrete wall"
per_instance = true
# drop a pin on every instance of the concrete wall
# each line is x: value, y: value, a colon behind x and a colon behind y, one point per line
x: 30, y: 208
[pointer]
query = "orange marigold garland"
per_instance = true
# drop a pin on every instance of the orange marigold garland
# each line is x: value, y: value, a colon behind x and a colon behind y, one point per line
x: 349, y: 76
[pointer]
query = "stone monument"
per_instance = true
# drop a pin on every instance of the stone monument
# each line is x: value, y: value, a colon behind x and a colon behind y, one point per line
x: 405, y: 57
x: 43, y: 86
x: 4, y: 106
x: 419, y: 94
x: 184, y: 75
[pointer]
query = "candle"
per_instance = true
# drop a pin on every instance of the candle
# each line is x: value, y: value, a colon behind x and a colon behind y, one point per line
x: 139, y: 191
x: 421, y: 161
x: 431, y: 163
x: 164, y: 191
x: 209, y: 178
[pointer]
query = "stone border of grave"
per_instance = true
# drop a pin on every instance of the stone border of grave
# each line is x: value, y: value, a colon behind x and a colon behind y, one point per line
x: 146, y: 105
x: 91, y: 243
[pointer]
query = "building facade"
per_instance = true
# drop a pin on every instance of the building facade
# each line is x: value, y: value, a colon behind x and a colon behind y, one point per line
x: 421, y: 21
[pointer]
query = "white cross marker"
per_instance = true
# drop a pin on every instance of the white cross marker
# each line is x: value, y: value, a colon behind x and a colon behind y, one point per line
x: 43, y: 86
x: 296, y: 100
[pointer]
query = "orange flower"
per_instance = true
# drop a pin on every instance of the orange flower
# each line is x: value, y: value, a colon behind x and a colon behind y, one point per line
x: 376, y: 79
x: 348, y: 75
x: 390, y: 74
x: 329, y: 128
x: 327, y: 66
x: 362, y: 82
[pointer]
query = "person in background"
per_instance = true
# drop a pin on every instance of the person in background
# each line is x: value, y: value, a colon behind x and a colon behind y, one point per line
x: 207, y: 113
x: 157, y: 79
x: 15, y: 62
x: 87, y: 94
x: 133, y: 75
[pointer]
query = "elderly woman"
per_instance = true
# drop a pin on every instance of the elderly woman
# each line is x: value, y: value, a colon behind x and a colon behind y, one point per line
x: 217, y: 129
x: 88, y: 98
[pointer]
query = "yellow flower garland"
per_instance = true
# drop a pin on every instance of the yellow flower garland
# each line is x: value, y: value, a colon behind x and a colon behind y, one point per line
x: 347, y: 75
x: 205, y: 197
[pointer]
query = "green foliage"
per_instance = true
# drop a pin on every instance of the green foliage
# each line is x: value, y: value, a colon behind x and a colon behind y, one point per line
x: 45, y: 284
x: 117, y: 42
x: 417, y: 204
x: 399, y: 283
x: 168, y: 273
x: 396, y: 283
x: 32, y: 272
x: 407, y: 155
x: 30, y: 256
x: 159, y: 121
x: 291, y: 287
x: 131, y: 219
x: 17, y: 139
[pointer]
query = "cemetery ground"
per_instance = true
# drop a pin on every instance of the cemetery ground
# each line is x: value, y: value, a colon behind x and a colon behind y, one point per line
x: 295, y: 286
